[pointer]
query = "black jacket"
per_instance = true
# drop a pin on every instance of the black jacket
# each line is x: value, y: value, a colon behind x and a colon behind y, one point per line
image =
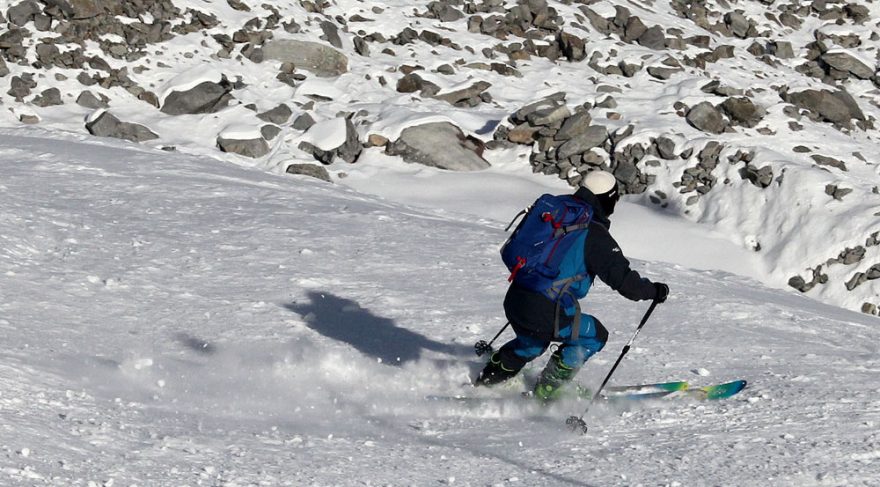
x: 535, y: 313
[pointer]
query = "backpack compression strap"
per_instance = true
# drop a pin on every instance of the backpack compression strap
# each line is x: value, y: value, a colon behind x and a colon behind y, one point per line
x: 561, y: 292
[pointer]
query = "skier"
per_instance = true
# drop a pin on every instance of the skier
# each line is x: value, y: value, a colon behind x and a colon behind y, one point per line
x: 535, y: 317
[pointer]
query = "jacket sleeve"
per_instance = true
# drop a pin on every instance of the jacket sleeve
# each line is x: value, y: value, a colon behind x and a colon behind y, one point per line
x: 605, y: 260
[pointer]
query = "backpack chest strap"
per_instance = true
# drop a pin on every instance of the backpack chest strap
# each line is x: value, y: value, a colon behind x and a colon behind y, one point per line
x: 562, y: 231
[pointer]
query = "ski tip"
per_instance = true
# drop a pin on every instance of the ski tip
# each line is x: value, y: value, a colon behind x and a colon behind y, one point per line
x: 723, y: 391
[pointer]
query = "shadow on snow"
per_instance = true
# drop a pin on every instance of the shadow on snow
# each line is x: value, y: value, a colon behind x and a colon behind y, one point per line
x: 376, y: 336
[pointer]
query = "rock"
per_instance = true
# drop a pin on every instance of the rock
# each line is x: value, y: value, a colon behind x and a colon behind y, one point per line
x: 463, y: 95
x: 574, y: 126
x: 665, y: 148
x: 572, y: 46
x: 21, y: 86
x: 322, y: 60
x: 548, y: 116
x: 444, y: 12
x: 47, y: 98
x: 521, y: 115
x: 149, y: 97
x: 593, y: 136
x: 331, y: 32
x: 4, y: 70
x: 47, y: 53
x: 348, y: 151
x: 758, y: 177
x: 634, y: 29
x: 653, y: 38
x: 252, y: 148
x: 706, y: 118
x: 828, y: 161
x: 23, y: 12
x: 81, y: 9
x: 278, y: 115
x: 738, y: 24
x: 438, y: 144
x: 522, y: 134
x: 850, y: 256
x: 859, y: 13
x: 446, y: 69
x: 107, y: 125
x: 661, y: 72
x: 837, y: 192
x: 790, y: 20
x: 270, y: 131
x: 780, y: 49
x: 311, y: 170
x: 837, y: 107
x: 303, y: 122
x: 89, y: 100
x: 206, y: 97
x: 361, y: 46
x: 798, y: 283
x: 743, y: 111
x: 842, y: 61
x: 629, y: 69
x: 410, y: 83
x: 376, y: 140
x: 351, y: 149
x: 431, y: 38
x: 11, y: 39
x: 856, y: 280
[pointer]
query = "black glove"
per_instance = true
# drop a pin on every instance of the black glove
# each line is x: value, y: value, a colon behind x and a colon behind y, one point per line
x: 662, y: 292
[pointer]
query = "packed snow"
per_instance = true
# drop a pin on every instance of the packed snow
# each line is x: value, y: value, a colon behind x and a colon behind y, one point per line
x: 174, y: 315
x: 175, y: 320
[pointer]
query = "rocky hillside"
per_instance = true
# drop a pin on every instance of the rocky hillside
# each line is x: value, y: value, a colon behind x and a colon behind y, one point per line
x: 756, y: 118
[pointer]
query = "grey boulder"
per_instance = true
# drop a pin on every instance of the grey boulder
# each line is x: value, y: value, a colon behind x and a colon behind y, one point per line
x: 252, y: 148
x: 107, y: 125
x: 836, y: 107
x: 311, y: 170
x: 593, y: 136
x: 322, y: 60
x: 842, y: 61
x: 438, y: 144
x: 707, y: 118
x: 206, y: 97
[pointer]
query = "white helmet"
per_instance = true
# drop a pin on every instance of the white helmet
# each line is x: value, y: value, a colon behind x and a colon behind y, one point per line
x: 603, y: 184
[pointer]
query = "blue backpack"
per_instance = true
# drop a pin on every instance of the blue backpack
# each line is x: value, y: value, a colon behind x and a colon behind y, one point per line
x: 545, y: 253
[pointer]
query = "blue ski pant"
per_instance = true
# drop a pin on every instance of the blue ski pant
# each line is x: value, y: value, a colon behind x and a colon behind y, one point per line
x: 575, y: 351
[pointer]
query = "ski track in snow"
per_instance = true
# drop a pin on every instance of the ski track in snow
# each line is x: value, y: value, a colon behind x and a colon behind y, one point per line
x: 170, y: 320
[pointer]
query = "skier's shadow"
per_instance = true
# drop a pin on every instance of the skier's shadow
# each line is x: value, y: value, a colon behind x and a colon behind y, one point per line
x: 378, y: 337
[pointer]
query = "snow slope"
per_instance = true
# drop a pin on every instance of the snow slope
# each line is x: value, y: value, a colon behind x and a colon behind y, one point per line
x: 174, y: 320
x: 797, y: 222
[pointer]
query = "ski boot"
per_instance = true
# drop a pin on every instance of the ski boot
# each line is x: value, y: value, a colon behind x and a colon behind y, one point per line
x: 553, y: 378
x: 494, y: 373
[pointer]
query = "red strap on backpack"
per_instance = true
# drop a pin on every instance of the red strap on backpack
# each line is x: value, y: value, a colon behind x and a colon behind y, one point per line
x: 520, y: 262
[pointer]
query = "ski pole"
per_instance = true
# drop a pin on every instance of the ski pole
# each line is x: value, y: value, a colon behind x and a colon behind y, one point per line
x: 481, y: 347
x: 577, y: 422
